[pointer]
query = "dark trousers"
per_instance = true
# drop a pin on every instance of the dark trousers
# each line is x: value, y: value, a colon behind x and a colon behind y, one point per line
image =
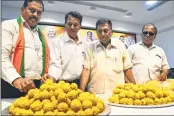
x: 77, y: 81
x: 8, y: 91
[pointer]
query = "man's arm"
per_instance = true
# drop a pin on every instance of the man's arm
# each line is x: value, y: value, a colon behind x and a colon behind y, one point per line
x: 84, y: 78
x: 163, y: 74
x: 164, y: 68
x: 86, y: 70
x: 55, y: 69
x: 128, y: 73
x: 9, y: 73
x: 127, y: 66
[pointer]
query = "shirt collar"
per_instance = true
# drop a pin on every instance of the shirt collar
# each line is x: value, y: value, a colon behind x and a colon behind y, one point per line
x: 110, y: 45
x: 67, y: 38
x: 26, y: 24
x: 151, y: 47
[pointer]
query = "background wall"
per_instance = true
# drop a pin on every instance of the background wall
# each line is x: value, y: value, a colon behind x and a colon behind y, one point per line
x: 166, y: 41
x: 55, y: 17
x: 165, y: 37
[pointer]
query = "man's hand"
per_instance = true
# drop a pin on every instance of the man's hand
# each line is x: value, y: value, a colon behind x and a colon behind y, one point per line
x: 24, y: 85
x: 84, y: 78
x: 47, y: 76
x: 162, y: 77
x: 129, y: 75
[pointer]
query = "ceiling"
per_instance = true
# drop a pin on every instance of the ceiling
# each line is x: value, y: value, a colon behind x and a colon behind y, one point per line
x: 114, y: 10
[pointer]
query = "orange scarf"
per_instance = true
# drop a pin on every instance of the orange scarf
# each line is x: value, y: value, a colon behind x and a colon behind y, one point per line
x: 18, y: 57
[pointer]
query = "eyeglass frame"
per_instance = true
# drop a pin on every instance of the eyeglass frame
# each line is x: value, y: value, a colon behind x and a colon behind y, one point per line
x: 32, y: 11
x: 69, y: 26
x: 149, y: 33
x: 104, y: 30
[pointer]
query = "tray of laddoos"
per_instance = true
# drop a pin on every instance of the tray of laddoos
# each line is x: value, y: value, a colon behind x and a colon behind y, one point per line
x: 153, y: 94
x: 58, y: 99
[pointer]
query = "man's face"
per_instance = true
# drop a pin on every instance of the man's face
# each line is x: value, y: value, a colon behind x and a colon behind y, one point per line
x: 89, y: 35
x: 32, y: 13
x: 148, y: 34
x: 104, y: 32
x: 122, y: 39
x: 51, y: 33
x: 72, y: 26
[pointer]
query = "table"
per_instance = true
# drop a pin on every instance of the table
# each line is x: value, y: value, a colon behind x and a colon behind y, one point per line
x: 118, y: 110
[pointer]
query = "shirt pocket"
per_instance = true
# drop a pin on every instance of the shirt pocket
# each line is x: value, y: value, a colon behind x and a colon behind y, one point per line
x: 116, y: 63
x: 157, y: 58
x: 38, y: 49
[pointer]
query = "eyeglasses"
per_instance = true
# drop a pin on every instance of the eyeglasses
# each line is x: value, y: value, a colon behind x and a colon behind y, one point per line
x: 32, y: 10
x: 75, y: 25
x: 146, y: 33
x: 104, y: 30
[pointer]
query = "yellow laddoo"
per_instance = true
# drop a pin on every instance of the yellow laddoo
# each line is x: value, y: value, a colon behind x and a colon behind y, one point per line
x: 74, y: 86
x: 45, y: 101
x: 95, y: 110
x: 66, y: 88
x: 80, y: 113
x: 89, y: 112
x: 75, y: 105
x: 123, y: 101
x: 137, y: 102
x: 70, y: 113
x: 39, y: 113
x: 58, y: 91
x: 36, y: 105
x: 100, y: 106
x: 72, y: 94
x: 48, y: 107
x: 49, y: 113
x: 130, y: 101
x: 62, y: 97
x: 149, y: 101
x: 150, y: 95
x: 62, y: 107
x: 86, y: 104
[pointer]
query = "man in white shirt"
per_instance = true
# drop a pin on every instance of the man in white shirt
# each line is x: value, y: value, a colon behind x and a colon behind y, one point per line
x: 67, y: 55
x: 149, y: 61
x: 23, y: 61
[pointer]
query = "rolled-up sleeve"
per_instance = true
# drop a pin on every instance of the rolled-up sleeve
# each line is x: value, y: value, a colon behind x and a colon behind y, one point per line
x: 55, y: 68
x: 87, y: 62
x: 165, y: 64
x: 9, y: 73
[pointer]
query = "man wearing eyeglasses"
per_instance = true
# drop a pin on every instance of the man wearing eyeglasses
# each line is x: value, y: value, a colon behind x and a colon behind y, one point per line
x: 106, y: 62
x: 25, y: 53
x: 67, y: 56
x: 149, y: 61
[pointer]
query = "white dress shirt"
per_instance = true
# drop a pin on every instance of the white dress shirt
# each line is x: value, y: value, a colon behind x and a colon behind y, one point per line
x: 67, y: 58
x: 147, y: 62
x: 32, y: 51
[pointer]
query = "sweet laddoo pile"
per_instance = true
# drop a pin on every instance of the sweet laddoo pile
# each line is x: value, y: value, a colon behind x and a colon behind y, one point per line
x: 141, y: 94
x: 57, y: 99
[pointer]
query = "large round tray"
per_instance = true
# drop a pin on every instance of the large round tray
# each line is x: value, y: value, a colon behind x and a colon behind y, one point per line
x: 141, y: 106
x: 104, y: 113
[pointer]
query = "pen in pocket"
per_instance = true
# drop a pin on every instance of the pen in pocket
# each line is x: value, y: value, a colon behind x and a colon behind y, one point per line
x: 158, y: 55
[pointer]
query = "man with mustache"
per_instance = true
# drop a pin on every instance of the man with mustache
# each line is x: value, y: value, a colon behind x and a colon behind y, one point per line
x: 106, y: 62
x: 149, y: 61
x: 25, y: 53
x: 67, y: 55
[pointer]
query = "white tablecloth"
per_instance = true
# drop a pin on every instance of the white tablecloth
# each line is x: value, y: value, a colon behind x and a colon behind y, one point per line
x: 119, y: 110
